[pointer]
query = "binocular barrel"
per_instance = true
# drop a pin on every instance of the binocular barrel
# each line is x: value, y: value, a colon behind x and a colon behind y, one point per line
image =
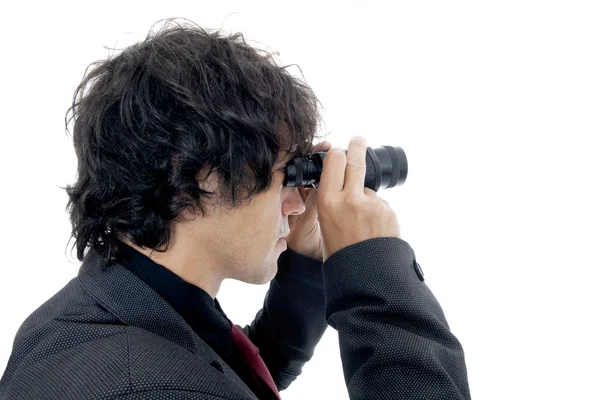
x: 386, y: 167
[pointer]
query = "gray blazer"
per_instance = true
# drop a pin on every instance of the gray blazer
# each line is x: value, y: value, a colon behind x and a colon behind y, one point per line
x: 108, y: 335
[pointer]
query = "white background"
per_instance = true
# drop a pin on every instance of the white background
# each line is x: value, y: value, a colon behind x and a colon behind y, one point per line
x: 495, y: 103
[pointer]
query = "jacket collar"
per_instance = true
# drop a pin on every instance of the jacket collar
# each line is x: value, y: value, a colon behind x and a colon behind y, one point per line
x: 130, y: 299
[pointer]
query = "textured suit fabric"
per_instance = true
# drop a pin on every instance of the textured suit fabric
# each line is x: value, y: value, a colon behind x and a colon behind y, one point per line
x: 201, y: 312
x: 206, y: 317
x: 107, y: 334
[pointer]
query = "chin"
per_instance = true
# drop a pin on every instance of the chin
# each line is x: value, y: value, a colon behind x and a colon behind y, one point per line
x: 269, y: 274
x: 265, y: 277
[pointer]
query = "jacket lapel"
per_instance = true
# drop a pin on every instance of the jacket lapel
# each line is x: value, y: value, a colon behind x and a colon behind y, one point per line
x: 132, y: 301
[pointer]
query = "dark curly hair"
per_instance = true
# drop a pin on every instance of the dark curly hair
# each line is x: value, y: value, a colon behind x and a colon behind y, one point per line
x: 183, y: 100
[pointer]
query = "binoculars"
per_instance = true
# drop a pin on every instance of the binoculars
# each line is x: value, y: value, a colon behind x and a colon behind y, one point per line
x: 386, y: 166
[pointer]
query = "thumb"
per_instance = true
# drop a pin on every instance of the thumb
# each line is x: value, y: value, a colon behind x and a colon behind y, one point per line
x: 310, y: 204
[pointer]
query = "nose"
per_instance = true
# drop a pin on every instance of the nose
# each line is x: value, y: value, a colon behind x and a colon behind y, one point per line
x: 293, y: 203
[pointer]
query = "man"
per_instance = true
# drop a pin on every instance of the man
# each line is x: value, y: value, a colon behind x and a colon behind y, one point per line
x: 181, y: 141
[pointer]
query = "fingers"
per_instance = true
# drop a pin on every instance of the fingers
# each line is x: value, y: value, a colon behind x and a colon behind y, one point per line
x: 332, y: 175
x: 304, y: 192
x: 356, y: 166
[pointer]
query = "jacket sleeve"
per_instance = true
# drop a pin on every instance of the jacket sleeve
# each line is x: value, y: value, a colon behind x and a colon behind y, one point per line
x: 292, y: 321
x: 395, y: 342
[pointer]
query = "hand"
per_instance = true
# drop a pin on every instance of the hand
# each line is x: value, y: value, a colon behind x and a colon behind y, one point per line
x: 305, y: 232
x: 349, y: 211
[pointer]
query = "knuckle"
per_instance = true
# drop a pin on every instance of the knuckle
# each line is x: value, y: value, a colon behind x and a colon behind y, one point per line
x: 326, y: 203
x: 336, y: 153
x: 370, y: 192
x: 356, y: 164
x: 355, y: 201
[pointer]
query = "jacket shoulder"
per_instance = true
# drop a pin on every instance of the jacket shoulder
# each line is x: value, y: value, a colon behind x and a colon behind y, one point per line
x: 72, y: 347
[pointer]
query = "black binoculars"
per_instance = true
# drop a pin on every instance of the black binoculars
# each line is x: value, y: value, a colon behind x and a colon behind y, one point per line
x: 386, y: 166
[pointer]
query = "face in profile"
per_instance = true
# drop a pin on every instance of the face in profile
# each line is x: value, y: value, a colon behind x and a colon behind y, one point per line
x: 242, y: 243
x: 249, y: 235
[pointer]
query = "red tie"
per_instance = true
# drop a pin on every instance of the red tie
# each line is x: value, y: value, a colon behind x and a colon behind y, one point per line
x: 252, y: 358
